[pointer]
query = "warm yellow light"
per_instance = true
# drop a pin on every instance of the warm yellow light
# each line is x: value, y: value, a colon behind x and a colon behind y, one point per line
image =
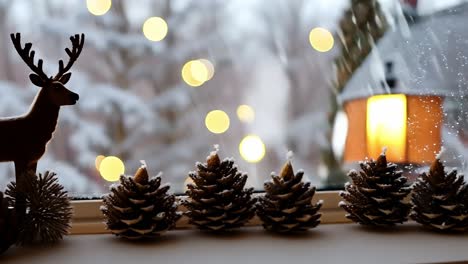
x: 98, y: 161
x: 199, y: 71
x: 252, y: 149
x: 321, y: 39
x: 245, y: 113
x: 217, y: 121
x: 111, y: 168
x: 187, y: 75
x: 187, y: 181
x: 98, y: 7
x: 155, y: 29
x: 386, y: 126
x: 209, y: 67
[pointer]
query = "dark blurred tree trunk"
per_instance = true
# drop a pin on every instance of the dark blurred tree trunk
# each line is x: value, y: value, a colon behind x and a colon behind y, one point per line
x: 361, y: 26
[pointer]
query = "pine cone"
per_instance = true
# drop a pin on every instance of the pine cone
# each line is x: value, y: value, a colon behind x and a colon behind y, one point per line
x: 8, y: 224
x: 139, y: 207
x: 440, y: 200
x: 218, y: 200
x: 287, y: 204
x: 48, y: 208
x: 375, y: 196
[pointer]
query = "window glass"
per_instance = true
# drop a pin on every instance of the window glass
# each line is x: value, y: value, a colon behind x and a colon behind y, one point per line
x: 163, y: 81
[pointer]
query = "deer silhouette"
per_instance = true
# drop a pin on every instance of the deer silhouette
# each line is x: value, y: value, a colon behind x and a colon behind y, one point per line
x: 23, y: 139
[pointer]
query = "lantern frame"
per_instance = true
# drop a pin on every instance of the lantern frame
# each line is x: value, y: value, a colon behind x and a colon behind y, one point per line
x: 422, y: 139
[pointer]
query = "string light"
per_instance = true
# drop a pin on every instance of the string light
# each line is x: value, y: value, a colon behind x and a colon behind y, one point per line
x: 155, y: 28
x: 187, y: 75
x: 111, y: 168
x: 217, y: 121
x: 245, y: 113
x: 197, y: 72
x: 98, y: 7
x: 321, y: 39
x: 252, y: 148
x: 209, y: 67
x: 98, y: 161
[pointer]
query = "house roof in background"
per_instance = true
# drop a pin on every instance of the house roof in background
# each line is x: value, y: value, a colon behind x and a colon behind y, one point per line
x: 430, y: 57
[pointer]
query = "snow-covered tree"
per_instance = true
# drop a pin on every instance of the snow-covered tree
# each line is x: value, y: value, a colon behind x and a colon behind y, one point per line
x: 133, y: 102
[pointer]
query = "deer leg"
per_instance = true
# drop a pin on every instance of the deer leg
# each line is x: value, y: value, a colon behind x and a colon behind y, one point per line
x: 20, y: 170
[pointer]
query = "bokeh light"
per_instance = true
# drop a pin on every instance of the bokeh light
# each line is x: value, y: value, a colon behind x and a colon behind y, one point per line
x: 339, y: 134
x: 98, y: 161
x: 217, y: 121
x: 321, y: 39
x: 187, y: 181
x: 209, y: 67
x: 252, y: 148
x: 98, y: 7
x: 187, y: 75
x: 111, y: 168
x: 155, y: 29
x: 245, y: 113
x: 199, y: 71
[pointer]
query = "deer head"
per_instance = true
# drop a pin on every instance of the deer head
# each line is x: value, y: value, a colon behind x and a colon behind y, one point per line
x: 53, y: 88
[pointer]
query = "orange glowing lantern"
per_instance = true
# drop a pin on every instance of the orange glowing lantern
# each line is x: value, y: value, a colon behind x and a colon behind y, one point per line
x: 408, y: 125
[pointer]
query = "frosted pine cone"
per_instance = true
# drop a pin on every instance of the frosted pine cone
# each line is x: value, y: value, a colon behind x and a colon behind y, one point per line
x: 375, y: 196
x: 217, y: 200
x: 440, y: 200
x: 287, y: 204
x: 140, y: 207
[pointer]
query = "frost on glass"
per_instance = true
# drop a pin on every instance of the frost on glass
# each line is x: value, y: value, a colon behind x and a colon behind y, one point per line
x: 135, y: 105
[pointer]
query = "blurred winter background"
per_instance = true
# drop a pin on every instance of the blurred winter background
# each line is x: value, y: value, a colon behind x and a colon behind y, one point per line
x: 135, y: 105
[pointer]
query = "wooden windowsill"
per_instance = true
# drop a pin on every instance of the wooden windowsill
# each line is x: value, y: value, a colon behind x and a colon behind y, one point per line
x: 332, y: 243
x: 88, y: 218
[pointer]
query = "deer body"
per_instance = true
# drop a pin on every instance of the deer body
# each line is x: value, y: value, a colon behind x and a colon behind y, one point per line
x: 23, y: 139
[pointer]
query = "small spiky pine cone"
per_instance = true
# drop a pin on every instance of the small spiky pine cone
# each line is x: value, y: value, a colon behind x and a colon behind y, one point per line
x: 375, y: 196
x: 48, y: 206
x: 440, y: 200
x: 8, y: 224
x: 217, y: 200
x: 139, y: 207
x: 287, y: 204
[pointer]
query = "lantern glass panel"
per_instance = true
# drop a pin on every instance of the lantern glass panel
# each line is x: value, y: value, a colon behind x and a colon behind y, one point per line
x: 386, y: 126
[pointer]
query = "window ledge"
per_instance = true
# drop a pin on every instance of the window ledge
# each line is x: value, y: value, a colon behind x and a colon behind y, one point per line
x: 332, y: 243
x: 88, y: 218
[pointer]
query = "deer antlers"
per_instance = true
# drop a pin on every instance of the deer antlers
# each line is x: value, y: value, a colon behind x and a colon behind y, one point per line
x: 28, y: 57
x: 77, y: 46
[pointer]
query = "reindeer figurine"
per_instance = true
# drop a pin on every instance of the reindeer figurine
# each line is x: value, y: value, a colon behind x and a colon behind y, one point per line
x: 23, y: 139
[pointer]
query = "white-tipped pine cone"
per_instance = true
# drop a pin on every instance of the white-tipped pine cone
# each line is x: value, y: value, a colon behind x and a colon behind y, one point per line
x: 139, y: 207
x: 217, y: 200
x: 287, y: 204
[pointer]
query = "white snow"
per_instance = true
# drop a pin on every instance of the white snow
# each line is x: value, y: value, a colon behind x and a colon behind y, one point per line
x: 384, y: 150
x: 441, y: 152
x: 133, y: 103
x: 215, y: 151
